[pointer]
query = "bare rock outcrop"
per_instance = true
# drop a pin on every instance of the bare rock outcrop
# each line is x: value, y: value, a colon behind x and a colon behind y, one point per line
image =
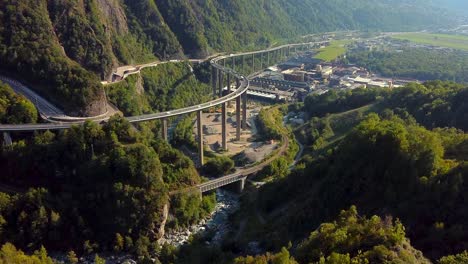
x: 114, y: 15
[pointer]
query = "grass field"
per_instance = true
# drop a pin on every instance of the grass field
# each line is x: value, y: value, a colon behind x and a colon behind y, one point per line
x: 336, y: 49
x: 441, y: 40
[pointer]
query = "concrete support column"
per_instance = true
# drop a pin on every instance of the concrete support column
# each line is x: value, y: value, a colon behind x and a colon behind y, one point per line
x: 200, y: 137
x: 261, y: 61
x: 220, y: 83
x: 268, y: 59
x: 241, y: 185
x: 234, y: 63
x: 244, y: 111
x: 238, y: 118
x: 214, y: 79
x: 7, y: 141
x: 164, y: 130
x: 229, y: 86
x: 224, y: 126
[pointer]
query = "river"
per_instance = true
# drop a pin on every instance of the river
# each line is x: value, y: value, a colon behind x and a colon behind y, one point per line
x: 217, y: 222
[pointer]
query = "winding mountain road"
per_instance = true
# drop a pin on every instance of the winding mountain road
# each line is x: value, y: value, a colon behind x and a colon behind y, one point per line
x: 241, y: 89
x: 243, y: 86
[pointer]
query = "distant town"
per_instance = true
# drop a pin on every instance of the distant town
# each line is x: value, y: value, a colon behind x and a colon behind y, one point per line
x: 305, y: 74
x: 295, y: 79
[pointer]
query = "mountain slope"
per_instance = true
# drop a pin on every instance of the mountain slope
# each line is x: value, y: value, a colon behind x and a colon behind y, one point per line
x: 64, y: 47
x: 29, y: 47
x: 460, y: 6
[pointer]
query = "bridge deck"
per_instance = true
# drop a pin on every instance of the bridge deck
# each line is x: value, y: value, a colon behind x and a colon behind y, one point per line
x: 244, y: 85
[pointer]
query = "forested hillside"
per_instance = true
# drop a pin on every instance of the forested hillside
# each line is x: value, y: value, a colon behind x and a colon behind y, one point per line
x: 95, y: 189
x: 350, y: 238
x: 64, y: 48
x: 15, y: 109
x: 421, y: 64
x: 166, y: 87
x: 408, y: 161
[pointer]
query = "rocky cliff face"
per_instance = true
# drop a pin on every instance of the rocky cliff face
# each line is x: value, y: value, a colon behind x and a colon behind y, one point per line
x: 114, y: 16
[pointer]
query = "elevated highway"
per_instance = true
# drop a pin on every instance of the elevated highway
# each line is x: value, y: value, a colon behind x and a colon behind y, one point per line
x: 50, y: 112
x: 242, y: 87
x: 121, y: 73
x: 219, y: 82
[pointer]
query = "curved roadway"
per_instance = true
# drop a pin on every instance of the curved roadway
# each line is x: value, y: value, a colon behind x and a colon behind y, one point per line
x: 244, y: 86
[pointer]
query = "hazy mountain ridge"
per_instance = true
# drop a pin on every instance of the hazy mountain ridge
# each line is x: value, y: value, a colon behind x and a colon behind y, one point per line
x: 460, y: 6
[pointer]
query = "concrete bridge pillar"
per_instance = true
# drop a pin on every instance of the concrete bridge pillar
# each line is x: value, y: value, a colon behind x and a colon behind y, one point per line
x: 241, y: 185
x: 238, y: 118
x: 214, y: 79
x: 7, y: 141
x: 224, y: 126
x: 200, y: 137
x: 164, y: 130
x: 220, y: 83
x: 268, y: 60
x: 244, y: 111
x: 229, y: 86
x: 261, y: 61
x: 234, y: 63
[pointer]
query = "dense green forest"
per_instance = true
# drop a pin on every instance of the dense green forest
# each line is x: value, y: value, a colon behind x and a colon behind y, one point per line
x: 408, y: 161
x: 94, y: 189
x: 416, y: 63
x: 106, y: 188
x: 404, y: 163
x: 9, y: 254
x: 28, y: 49
x: 15, y: 109
x: 166, y: 87
x: 350, y: 238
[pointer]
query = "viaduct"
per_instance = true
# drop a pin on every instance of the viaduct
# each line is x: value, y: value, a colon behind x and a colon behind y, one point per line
x: 221, y: 76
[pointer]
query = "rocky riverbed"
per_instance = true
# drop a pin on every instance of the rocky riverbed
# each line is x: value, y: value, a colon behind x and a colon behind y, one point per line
x: 217, y: 222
